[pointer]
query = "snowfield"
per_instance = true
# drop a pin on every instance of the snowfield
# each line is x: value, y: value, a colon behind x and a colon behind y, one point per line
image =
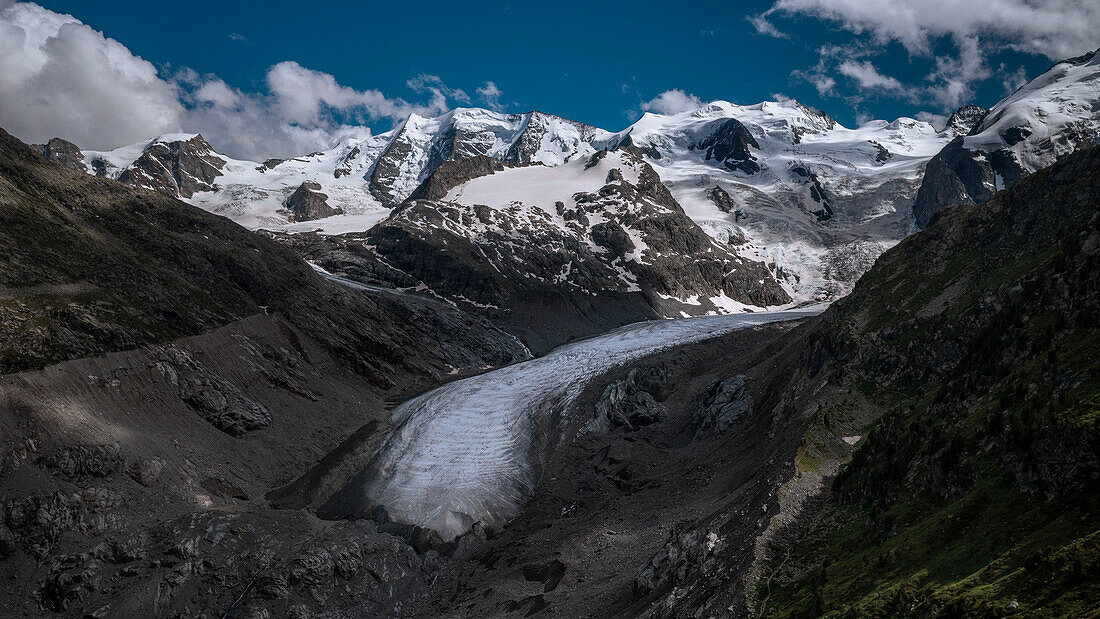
x: 472, y: 451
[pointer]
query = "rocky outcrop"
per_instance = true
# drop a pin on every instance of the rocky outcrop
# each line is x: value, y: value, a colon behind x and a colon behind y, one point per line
x: 215, y: 399
x: 965, y: 119
x: 546, y: 135
x: 451, y: 174
x: 956, y: 175
x: 725, y: 403
x: 612, y: 237
x: 632, y: 402
x: 179, y: 168
x: 721, y: 199
x: 728, y: 143
x: 308, y: 203
x: 687, y: 555
x: 64, y: 152
x: 421, y: 145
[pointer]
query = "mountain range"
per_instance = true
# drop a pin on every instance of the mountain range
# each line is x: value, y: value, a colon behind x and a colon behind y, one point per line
x: 396, y: 378
x: 791, y: 206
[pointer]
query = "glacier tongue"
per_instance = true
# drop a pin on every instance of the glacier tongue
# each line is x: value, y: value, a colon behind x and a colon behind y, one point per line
x: 472, y: 451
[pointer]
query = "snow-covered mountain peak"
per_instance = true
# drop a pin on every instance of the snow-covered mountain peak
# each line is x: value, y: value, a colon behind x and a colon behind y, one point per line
x: 1042, y: 121
x: 1064, y: 95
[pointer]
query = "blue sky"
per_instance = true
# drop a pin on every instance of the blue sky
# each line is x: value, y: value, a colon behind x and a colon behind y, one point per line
x: 595, y: 62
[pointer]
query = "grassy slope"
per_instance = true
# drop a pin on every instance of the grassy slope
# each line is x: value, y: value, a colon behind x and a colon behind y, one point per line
x: 976, y: 493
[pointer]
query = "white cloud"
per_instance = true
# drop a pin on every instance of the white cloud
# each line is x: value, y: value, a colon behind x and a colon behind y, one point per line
x: 490, y: 93
x: 1053, y: 28
x: 59, y: 77
x: 973, y: 30
x: 1012, y: 80
x: 867, y: 76
x: 938, y: 121
x: 672, y: 102
x: 765, y: 27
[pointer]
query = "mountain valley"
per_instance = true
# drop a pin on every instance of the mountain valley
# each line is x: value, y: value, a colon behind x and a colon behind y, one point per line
x: 734, y: 361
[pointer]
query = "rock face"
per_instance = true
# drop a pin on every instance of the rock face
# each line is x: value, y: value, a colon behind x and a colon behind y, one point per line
x: 964, y: 119
x: 453, y: 173
x: 64, y: 152
x: 215, y: 399
x: 421, y: 145
x: 632, y: 402
x: 688, y: 555
x: 308, y: 203
x: 721, y: 199
x: 1046, y: 119
x: 623, y: 239
x: 178, y: 168
x: 726, y: 403
x: 728, y: 144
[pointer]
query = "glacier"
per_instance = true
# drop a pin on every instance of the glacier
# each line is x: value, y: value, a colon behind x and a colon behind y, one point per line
x: 472, y: 451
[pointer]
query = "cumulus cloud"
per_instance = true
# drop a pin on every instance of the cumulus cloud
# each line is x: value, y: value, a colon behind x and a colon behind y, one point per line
x: 59, y: 77
x: 972, y: 31
x: 489, y: 93
x: 672, y: 102
x: 867, y: 76
x: 938, y: 121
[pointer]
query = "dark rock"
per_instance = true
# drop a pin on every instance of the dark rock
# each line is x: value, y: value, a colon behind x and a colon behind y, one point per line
x: 721, y: 199
x: 956, y: 175
x: 612, y: 236
x: 633, y: 401
x: 726, y: 402
x: 215, y: 399
x: 179, y: 169
x: 64, y: 152
x: 965, y: 119
x: 270, y: 164
x: 450, y: 174
x: 224, y: 406
x: 69, y: 581
x: 344, y: 168
x: 308, y: 203
x: 533, y: 604
x: 549, y: 574
x: 1015, y: 135
x: 729, y: 144
x: 684, y: 556
x: 883, y: 155
x: 83, y: 461
x: 7, y: 542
